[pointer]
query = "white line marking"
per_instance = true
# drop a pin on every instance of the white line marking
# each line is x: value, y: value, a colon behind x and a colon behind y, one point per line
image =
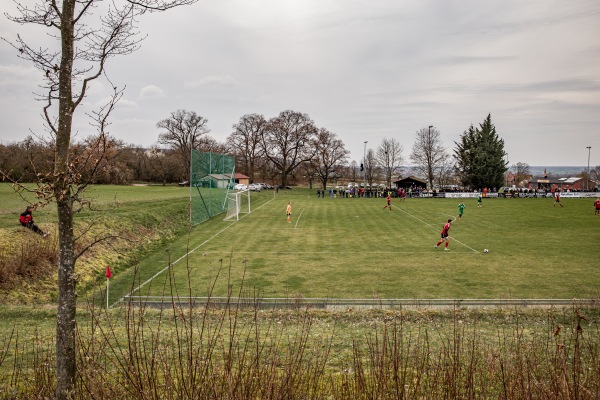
x: 285, y: 253
x: 451, y: 237
x: 298, y: 220
x: 188, y: 253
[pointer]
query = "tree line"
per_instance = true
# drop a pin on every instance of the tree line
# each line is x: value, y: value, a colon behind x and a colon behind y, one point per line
x: 287, y: 148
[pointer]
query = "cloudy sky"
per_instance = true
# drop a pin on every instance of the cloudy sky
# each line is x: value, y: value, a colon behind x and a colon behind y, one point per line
x: 363, y: 69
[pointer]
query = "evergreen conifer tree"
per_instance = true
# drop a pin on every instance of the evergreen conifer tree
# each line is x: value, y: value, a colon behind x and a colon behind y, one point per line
x: 480, y: 156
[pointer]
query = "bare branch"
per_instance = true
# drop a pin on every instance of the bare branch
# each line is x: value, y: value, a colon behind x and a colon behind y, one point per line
x: 87, y: 4
x: 97, y: 151
x: 42, y: 59
x: 116, y: 37
x: 159, y: 5
x: 43, y: 191
x: 50, y: 121
x: 100, y: 240
x: 40, y: 13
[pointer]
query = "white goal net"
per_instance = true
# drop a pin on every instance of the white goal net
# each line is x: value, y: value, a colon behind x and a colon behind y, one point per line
x: 237, y: 203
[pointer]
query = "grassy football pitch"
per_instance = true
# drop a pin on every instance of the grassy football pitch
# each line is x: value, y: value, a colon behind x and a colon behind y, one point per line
x: 354, y: 248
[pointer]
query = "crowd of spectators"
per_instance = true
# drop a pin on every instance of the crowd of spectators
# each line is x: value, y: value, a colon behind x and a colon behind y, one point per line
x: 379, y: 192
x: 416, y: 191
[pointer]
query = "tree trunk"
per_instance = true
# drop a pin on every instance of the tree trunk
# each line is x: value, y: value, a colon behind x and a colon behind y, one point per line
x: 283, y: 179
x: 430, y: 176
x: 65, y: 318
x: 67, y: 299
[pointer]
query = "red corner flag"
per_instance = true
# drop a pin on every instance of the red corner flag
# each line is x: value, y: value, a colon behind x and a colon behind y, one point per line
x: 108, y: 273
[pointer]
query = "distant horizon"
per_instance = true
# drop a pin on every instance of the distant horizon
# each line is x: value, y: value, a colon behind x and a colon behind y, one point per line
x: 534, y: 166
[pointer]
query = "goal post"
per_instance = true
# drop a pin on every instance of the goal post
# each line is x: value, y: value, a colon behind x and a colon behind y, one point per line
x: 237, y: 203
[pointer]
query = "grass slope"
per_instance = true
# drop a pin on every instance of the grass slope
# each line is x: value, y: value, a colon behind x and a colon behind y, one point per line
x: 149, y: 216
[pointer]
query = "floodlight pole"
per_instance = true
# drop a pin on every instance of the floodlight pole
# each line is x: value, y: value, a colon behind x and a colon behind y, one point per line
x: 429, y: 141
x: 365, y: 166
x: 587, y: 179
x: 506, y: 173
x: 190, y: 176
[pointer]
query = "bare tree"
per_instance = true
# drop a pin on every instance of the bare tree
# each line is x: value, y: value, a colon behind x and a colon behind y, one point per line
x: 428, y: 152
x: 136, y: 162
x: 370, y: 166
x: 211, y: 145
x: 331, y: 154
x: 104, y: 164
x: 183, y: 130
x: 245, y: 141
x: 158, y: 162
x: 353, y: 170
x: 389, y: 156
x: 308, y: 170
x: 270, y: 171
x: 288, y: 141
x: 446, y: 170
x: 521, y: 172
x: 25, y: 160
x: 86, y: 42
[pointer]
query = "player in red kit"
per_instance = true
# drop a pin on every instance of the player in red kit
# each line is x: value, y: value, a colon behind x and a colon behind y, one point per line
x: 389, y: 202
x: 445, y: 237
x: 597, y: 207
x: 557, y: 198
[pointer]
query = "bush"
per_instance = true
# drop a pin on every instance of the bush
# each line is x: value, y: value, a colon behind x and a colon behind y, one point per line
x: 26, y: 258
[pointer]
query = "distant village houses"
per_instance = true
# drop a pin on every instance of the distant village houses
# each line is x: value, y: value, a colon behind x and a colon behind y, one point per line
x: 562, y: 184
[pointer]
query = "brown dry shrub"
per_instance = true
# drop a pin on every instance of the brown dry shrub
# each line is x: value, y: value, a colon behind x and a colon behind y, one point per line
x: 26, y: 257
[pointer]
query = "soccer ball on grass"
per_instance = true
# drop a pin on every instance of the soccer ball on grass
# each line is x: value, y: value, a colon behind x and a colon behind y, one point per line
x: 486, y: 251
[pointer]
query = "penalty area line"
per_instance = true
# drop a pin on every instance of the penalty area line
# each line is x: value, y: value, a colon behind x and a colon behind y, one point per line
x: 185, y: 255
x: 298, y: 220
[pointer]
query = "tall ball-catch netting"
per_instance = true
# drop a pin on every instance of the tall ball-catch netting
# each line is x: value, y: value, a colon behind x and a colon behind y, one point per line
x: 212, y: 176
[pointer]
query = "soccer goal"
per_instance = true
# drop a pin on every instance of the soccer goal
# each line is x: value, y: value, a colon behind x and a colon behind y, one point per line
x: 237, y: 203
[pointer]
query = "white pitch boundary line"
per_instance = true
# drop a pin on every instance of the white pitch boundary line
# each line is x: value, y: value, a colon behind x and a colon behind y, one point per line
x: 187, y: 254
x: 275, y: 253
x: 298, y: 220
x: 428, y: 224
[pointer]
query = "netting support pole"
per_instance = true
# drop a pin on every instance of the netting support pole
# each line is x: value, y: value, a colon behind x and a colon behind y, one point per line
x: 248, y: 201
x: 238, y: 204
x: 191, y: 176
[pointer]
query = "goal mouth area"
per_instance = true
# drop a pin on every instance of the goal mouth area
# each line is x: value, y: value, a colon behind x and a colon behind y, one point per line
x: 238, y: 202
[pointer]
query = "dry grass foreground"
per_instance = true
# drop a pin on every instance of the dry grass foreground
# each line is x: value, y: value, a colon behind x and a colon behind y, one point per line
x: 182, y: 352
